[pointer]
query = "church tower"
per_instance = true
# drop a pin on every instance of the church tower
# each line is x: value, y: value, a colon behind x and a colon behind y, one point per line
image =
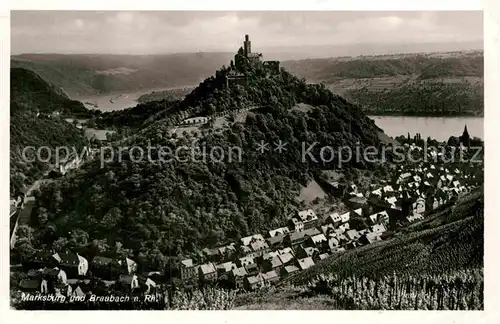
x: 465, y: 138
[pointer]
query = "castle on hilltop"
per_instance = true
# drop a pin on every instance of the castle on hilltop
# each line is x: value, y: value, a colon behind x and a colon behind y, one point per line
x: 254, y: 58
x: 237, y: 72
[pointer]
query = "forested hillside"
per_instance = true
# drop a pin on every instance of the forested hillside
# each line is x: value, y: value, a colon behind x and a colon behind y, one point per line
x: 159, y: 209
x: 30, y: 92
x: 32, y: 101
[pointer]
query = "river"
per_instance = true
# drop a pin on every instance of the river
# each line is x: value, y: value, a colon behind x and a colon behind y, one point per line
x: 118, y: 101
x: 439, y: 128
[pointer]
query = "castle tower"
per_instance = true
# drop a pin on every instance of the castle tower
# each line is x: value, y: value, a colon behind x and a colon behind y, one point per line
x: 247, y: 46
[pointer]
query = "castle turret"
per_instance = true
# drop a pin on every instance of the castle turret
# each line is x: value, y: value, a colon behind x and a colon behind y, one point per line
x: 247, y: 46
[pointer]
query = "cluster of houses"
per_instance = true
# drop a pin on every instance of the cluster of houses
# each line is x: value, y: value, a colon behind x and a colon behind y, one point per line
x: 71, y: 275
x: 259, y: 261
x: 416, y: 188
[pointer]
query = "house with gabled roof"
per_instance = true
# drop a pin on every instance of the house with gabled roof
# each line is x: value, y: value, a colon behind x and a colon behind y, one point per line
x: 272, y: 264
x: 334, y: 219
x: 270, y: 277
x: 207, y: 272
x: 270, y: 255
x: 304, y: 252
x: 42, y: 259
x: 259, y: 247
x: 344, y: 227
x: 227, y: 249
x: 333, y: 243
x: 358, y: 211
x: 377, y: 193
x: 286, y: 250
x: 305, y: 263
x: 254, y: 282
x: 403, y: 177
x: 449, y: 178
x: 418, y: 207
x: 54, y: 276
x: 127, y: 265
x: 297, y: 238
x: 288, y: 270
x: 32, y: 285
x: 286, y: 258
x: 296, y: 224
x: 188, y: 270
x: 275, y: 241
x: 388, y: 189
x: 308, y: 218
x: 345, y: 217
x: 323, y: 256
x: 102, y: 267
x: 237, y: 276
x: 247, y: 240
x: 328, y: 229
x: 391, y: 200
x: 378, y: 228
x: 225, y: 267
x: 129, y: 281
x: 247, y: 260
x: 380, y: 218
x: 352, y: 234
x: 210, y: 254
x: 73, y: 264
x: 279, y: 231
x: 317, y: 240
x: 357, y: 202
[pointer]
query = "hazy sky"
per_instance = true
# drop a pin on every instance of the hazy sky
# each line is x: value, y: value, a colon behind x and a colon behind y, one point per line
x: 134, y: 32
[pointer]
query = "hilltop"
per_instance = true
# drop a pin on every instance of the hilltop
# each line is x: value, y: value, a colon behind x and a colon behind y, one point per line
x: 159, y: 209
x: 436, y: 84
x: 35, y: 121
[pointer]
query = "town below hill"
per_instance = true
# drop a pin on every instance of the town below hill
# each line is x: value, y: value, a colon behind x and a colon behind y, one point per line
x: 401, y: 202
x: 175, y: 235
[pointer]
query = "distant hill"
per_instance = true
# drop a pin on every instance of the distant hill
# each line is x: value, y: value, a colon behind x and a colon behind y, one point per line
x: 32, y: 101
x: 81, y: 75
x: 435, y: 84
x: 392, y: 84
x: 31, y: 92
